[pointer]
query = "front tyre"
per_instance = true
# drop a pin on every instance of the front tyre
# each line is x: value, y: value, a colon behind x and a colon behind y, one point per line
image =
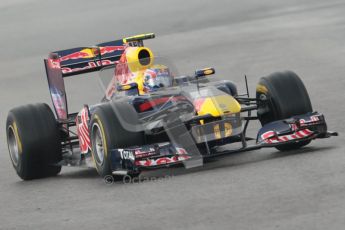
x: 33, y: 141
x: 108, y: 132
x: 285, y: 96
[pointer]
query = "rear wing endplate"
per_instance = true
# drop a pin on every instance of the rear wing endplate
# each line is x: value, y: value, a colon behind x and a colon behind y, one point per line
x: 69, y: 62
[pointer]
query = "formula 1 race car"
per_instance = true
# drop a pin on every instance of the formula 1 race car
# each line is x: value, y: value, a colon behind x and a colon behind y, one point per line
x: 152, y: 117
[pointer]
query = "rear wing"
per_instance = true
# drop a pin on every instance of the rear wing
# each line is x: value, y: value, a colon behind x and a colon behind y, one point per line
x: 86, y: 59
x: 70, y: 62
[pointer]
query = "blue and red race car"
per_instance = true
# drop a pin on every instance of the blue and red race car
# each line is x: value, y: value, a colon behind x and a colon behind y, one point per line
x: 151, y: 116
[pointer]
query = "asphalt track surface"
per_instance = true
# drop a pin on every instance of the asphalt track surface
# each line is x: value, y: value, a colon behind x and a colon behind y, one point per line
x: 264, y: 189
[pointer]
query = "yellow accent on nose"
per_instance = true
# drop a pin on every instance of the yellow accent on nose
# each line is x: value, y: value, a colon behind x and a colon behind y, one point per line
x: 219, y: 105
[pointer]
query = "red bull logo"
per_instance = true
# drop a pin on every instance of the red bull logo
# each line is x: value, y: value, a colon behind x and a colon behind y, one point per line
x: 91, y: 53
x: 90, y: 65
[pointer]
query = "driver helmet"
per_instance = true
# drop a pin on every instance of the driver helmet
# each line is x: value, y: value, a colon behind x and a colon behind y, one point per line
x: 157, y: 76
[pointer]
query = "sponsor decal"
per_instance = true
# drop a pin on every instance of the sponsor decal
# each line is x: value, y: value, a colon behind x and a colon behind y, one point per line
x: 141, y: 153
x: 272, y: 137
x: 311, y: 120
x: 132, y: 154
x: 227, y: 129
x: 122, y: 72
x: 54, y: 64
x: 86, y: 53
x: 90, y: 53
x: 162, y: 161
x: 127, y: 154
x: 58, y: 101
x: 83, y: 131
x: 180, y: 151
x: 216, y: 129
x: 90, y: 65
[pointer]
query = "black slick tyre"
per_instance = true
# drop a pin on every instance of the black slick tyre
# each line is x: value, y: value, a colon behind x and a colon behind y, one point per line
x: 108, y: 132
x: 33, y: 141
x: 286, y: 96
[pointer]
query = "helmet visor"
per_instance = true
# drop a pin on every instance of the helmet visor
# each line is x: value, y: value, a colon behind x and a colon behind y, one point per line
x: 159, y: 81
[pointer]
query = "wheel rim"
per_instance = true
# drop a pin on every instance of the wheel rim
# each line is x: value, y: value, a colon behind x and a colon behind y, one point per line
x: 98, y: 144
x: 13, y: 145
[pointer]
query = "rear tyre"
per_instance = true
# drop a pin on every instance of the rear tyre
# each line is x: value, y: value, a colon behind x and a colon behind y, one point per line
x: 108, y: 132
x: 33, y: 141
x: 286, y: 97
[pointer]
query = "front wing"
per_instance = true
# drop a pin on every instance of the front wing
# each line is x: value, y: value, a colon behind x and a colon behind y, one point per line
x: 298, y: 128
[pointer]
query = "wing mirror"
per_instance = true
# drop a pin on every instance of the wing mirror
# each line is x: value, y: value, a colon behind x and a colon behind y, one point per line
x: 204, y: 72
x: 128, y: 87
